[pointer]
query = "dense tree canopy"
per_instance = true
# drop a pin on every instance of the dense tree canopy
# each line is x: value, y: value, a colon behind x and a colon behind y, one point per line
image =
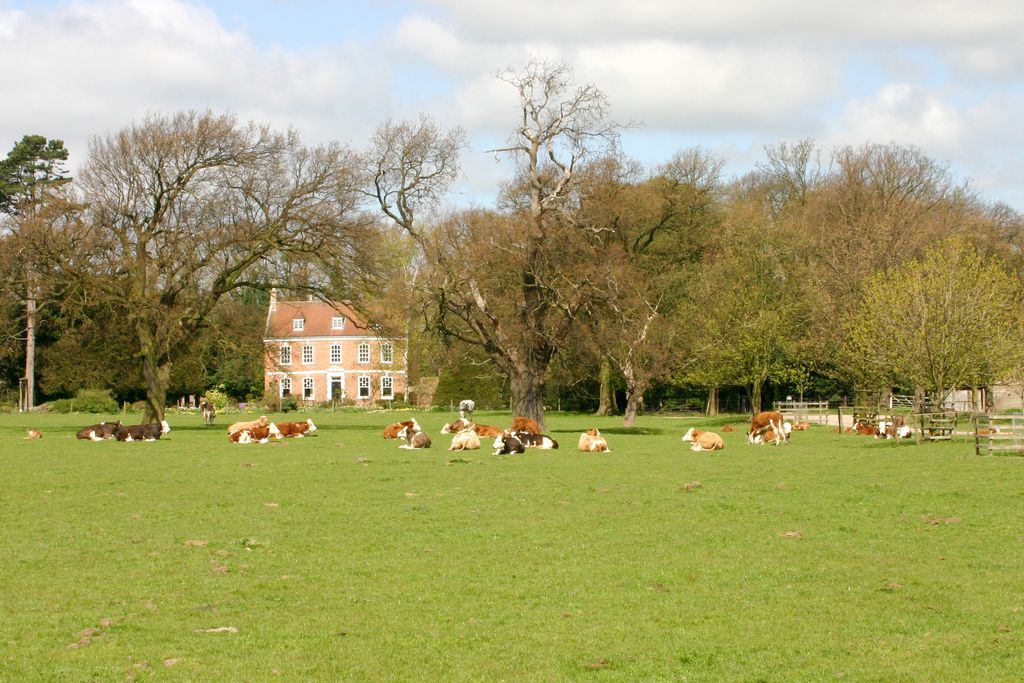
x: 868, y: 267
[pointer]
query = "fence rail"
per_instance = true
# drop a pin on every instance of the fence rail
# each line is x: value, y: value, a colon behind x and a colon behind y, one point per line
x: 995, y: 434
x: 804, y: 411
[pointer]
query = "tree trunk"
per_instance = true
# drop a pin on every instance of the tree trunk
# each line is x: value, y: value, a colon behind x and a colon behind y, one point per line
x: 527, y: 386
x: 712, y: 408
x: 634, y: 400
x: 607, y: 402
x: 156, y: 375
x: 31, y: 319
x: 755, y: 398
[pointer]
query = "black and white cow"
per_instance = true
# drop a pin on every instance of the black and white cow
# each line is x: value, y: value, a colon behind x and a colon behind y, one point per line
x: 104, y: 430
x: 531, y: 440
x: 146, y: 432
x: 508, y: 443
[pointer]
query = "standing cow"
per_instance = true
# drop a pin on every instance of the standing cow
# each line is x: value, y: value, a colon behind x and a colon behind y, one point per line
x: 208, y: 410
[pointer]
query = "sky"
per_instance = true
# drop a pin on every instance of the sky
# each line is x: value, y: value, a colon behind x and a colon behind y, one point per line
x: 731, y: 76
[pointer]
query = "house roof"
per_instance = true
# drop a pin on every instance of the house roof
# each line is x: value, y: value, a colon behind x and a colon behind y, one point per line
x: 317, y: 316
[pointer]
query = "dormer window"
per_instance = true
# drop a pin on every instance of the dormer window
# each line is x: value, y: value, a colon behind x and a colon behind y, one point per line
x: 338, y: 322
x: 298, y: 324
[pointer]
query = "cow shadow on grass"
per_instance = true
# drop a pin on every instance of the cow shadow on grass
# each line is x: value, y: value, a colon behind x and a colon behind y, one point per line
x: 642, y: 431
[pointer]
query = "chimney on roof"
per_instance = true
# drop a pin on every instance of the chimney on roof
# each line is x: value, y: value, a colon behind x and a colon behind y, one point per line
x: 273, y: 298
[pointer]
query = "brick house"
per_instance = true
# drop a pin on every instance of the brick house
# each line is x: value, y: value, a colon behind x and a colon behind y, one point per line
x: 319, y: 351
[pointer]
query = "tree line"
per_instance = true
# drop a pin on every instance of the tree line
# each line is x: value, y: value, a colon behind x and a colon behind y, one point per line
x: 869, y: 266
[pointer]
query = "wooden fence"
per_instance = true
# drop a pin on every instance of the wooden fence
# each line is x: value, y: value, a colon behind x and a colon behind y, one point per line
x: 804, y: 411
x: 995, y: 434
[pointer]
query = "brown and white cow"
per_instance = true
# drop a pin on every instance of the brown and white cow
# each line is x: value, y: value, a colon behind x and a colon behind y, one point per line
x: 456, y: 427
x: 296, y: 429
x: 414, y: 439
x: 525, y: 424
x: 33, y: 434
x: 251, y: 424
x: 765, y: 421
x: 258, y: 434
x: 703, y: 441
x: 392, y: 431
x: 487, y: 431
x: 591, y: 441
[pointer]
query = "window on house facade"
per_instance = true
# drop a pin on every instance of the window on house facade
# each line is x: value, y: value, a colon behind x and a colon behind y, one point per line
x: 336, y: 354
x: 286, y: 387
x: 387, y: 353
x: 298, y: 324
x: 307, y: 354
x: 307, y: 388
x: 387, y: 388
x: 285, y: 355
x: 364, y: 387
x: 338, y: 322
x: 364, y: 353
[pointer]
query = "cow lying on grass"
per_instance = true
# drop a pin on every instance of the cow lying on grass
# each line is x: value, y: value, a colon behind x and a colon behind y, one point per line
x: 483, y: 431
x: 531, y: 440
x: 414, y: 439
x: 507, y: 443
x: 104, y: 430
x: 393, y: 431
x: 525, y: 424
x: 146, y: 432
x: 466, y: 440
x: 251, y: 424
x: 296, y: 429
x: 591, y: 441
x: 703, y: 441
x: 257, y: 434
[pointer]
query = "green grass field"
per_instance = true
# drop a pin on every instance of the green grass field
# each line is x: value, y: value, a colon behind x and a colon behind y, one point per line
x: 341, y: 557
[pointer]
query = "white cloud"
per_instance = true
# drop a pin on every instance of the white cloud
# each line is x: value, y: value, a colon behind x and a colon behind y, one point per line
x: 731, y: 75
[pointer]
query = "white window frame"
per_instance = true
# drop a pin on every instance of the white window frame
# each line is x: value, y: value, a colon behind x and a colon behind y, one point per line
x: 338, y: 322
x: 335, y: 357
x: 391, y: 353
x: 305, y: 348
x: 387, y: 388
x: 285, y: 386
x: 298, y: 324
x: 363, y: 354
x: 307, y: 383
x: 364, y: 383
x: 284, y: 355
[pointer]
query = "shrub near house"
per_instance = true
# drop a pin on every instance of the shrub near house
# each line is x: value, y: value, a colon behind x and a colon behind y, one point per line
x: 324, y: 351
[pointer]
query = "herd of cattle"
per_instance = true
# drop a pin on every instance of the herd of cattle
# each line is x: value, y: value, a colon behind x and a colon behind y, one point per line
x: 256, y: 431
x: 524, y: 433
x: 767, y: 427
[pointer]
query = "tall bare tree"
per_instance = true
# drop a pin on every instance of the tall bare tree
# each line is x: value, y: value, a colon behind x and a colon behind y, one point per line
x: 194, y: 205
x: 519, y: 316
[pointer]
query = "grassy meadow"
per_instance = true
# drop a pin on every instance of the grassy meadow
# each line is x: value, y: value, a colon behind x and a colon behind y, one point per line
x: 341, y: 557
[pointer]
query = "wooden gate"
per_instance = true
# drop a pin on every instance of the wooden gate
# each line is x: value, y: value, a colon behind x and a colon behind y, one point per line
x: 935, y: 426
x: 998, y: 434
